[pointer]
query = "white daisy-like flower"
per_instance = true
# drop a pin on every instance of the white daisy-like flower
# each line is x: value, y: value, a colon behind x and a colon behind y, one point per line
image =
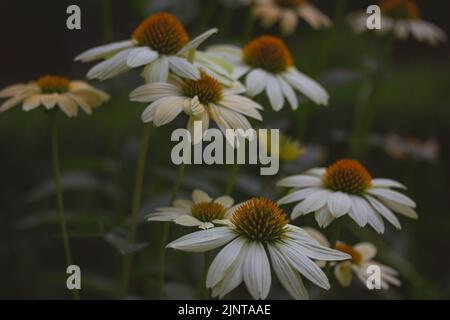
x: 259, y: 229
x: 202, y: 211
x: 51, y: 91
x: 362, y: 255
x: 347, y: 188
x: 267, y: 63
x: 289, y: 12
x: 201, y: 100
x: 402, y: 17
x: 159, y: 44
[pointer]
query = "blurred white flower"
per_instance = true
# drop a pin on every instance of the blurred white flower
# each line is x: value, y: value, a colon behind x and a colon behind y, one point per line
x: 402, y: 17
x: 403, y: 147
x: 289, y: 12
x: 159, y: 44
x: 347, y: 188
x: 202, y: 211
x: 259, y: 229
x: 267, y: 63
x: 51, y: 91
x: 201, y: 100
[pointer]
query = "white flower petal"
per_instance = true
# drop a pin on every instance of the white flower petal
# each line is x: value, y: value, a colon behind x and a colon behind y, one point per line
x: 304, y: 265
x: 104, y: 51
x: 391, y: 195
x: 188, y: 221
x: 154, y: 91
x: 339, y: 204
x: 168, y: 109
x: 110, y: 67
x: 323, y: 217
x: 300, y: 181
x: 384, y: 211
x: 157, y: 71
x: 205, y: 240
x: 289, y: 278
x: 343, y: 273
x: 256, y: 271
x: 401, y: 209
x: 200, y: 196
x: 297, y: 195
x: 359, y: 212
x: 256, y: 82
x: 288, y: 92
x: 274, y: 93
x: 387, y: 183
x: 312, y: 203
x: 306, y: 86
x: 141, y: 56
x: 226, y: 201
x: 194, y: 43
x: 222, y: 262
x: 366, y: 249
x: 183, y: 68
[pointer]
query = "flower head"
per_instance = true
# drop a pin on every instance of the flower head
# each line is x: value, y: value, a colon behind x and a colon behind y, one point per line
x: 202, y: 100
x: 347, y: 188
x: 259, y: 229
x: 289, y: 12
x: 159, y: 44
x: 268, y: 65
x: 50, y: 91
x: 202, y: 211
x: 403, y: 18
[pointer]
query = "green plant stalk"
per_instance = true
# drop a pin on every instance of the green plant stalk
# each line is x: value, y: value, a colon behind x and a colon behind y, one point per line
x: 59, y: 195
x: 165, y: 234
x: 203, y: 291
x: 136, y: 201
x: 229, y: 187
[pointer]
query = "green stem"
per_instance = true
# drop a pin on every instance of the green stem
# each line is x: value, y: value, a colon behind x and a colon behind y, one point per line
x: 136, y: 201
x: 59, y: 195
x: 231, y: 180
x: 203, y: 293
x: 107, y: 23
x: 165, y: 234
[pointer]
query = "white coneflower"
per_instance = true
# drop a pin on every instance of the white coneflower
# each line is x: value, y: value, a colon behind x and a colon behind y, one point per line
x: 402, y: 17
x: 259, y: 229
x: 201, y: 100
x: 53, y: 91
x: 267, y: 63
x: 160, y: 43
x: 346, y: 187
x: 362, y: 255
x: 202, y: 211
x: 289, y: 12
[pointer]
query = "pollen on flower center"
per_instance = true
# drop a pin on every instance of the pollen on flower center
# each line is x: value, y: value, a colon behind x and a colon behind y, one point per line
x: 289, y: 3
x: 348, y: 176
x: 53, y: 84
x: 260, y: 219
x: 161, y: 32
x: 208, y: 211
x: 207, y: 89
x: 356, y: 256
x: 269, y: 53
x: 400, y: 8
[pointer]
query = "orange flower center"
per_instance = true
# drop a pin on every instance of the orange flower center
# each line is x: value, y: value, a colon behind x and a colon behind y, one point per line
x: 400, y: 8
x: 260, y: 219
x: 53, y: 84
x: 289, y: 3
x: 356, y: 256
x: 207, y: 89
x: 161, y: 32
x: 208, y: 211
x: 269, y: 53
x: 348, y: 176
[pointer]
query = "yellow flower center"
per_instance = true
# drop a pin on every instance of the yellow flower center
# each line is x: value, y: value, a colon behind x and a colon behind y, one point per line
x: 269, y: 53
x: 356, y: 256
x: 260, y: 219
x: 53, y: 84
x: 348, y: 176
x: 400, y: 8
x: 161, y: 32
x: 289, y: 3
x: 207, y: 89
x: 208, y: 211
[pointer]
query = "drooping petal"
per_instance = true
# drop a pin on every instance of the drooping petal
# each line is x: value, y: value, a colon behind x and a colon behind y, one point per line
x: 104, y: 51
x: 255, y: 82
x: 200, y: 196
x: 205, y: 240
x: 339, y: 204
x: 300, y: 181
x: 256, y: 271
x: 141, y: 56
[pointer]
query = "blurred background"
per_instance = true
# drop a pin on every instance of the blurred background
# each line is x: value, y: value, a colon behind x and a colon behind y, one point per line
x: 406, y: 137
